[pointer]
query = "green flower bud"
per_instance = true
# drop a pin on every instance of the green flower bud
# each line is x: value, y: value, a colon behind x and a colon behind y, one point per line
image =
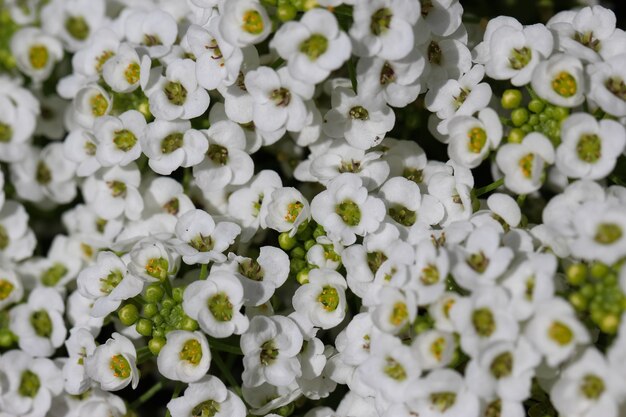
x: 6, y: 338
x: 576, y: 273
x: 286, y: 242
x: 128, y: 314
x: 516, y: 135
x: 519, y: 116
x: 154, y: 293
x: 177, y: 294
x: 578, y: 301
x: 599, y: 270
x: 150, y: 310
x: 158, y: 319
x: 309, y: 244
x: 168, y: 303
x: 536, y: 106
x: 511, y: 99
x: 156, y: 344
x: 187, y: 323
x: 296, y: 265
x: 144, y: 327
x: 303, y: 276
x: 533, y: 120
x: 286, y: 12
x: 298, y: 253
x: 560, y: 113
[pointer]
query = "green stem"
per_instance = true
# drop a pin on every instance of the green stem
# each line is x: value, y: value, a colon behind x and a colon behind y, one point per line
x: 167, y: 286
x: 352, y: 74
x: 277, y: 63
x: 224, y: 347
x: 147, y: 395
x: 227, y: 374
x: 203, y: 271
x: 532, y: 93
x: 490, y: 187
x: 143, y: 354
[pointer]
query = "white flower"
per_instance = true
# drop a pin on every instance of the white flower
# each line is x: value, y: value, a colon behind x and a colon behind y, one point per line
x: 504, y: 369
x: 471, y: 139
x: 384, y: 28
x: 428, y: 273
x: 80, y: 147
x: 512, y: 51
x: 78, y: 313
x: 172, y: 144
x: 39, y: 322
x: 113, y: 192
x: 18, y: 118
x: 443, y: 17
x: 45, y: 175
x: 589, y: 148
x: 434, y: 348
x: 108, y: 283
x: 314, y: 46
x: 270, y: 346
x: 79, y: 345
x: 322, y: 300
x: 560, y: 80
x: 362, y: 120
x: 345, y: 209
x: 226, y: 160
x: 555, y: 331
x: 113, y: 364
x: 588, y: 387
x: 17, y: 240
x: 164, y: 194
x: 201, y: 240
x: 36, y: 52
x: 31, y: 383
x: 155, y: 30
x: 122, y: 71
x: 523, y: 163
x: 11, y: 288
x: 119, y: 138
x: 244, y: 22
x: 185, y: 357
x: 259, y: 277
x: 395, y: 310
x: 74, y: 22
x: 278, y: 99
x: 215, y: 304
x: 90, y: 102
x: 284, y: 210
x: 209, y: 397
x: 153, y: 260
x: 177, y: 94
x: 482, y: 319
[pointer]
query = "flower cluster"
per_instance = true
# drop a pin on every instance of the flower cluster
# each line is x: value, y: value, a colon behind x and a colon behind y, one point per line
x: 209, y: 196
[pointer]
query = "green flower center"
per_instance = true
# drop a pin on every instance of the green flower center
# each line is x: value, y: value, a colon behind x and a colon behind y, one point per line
x: 349, y: 212
x: 4, y: 238
x: 375, y: 260
x: 589, y: 148
x: 477, y: 139
x: 251, y: 269
x: 588, y: 40
x: 394, y: 369
x: 51, y: 276
x: 315, y: 46
x: 478, y: 262
x: 442, y: 401
x: 607, y: 233
x: 175, y: 93
x: 90, y: 148
x: 77, y: 27
x: 427, y: 6
x: 6, y: 288
x: 172, y: 206
x: 530, y: 287
x: 6, y: 133
x: 124, y: 140
x: 40, y: 320
x: 359, y: 113
x: 403, y: 215
x: 502, y: 365
x: 132, y: 73
x: 218, y: 154
x: 399, y: 313
x: 202, y: 243
x: 172, y: 142
x: 191, y: 352
x: 99, y: 105
x: 252, y: 22
x: 617, y: 87
x: 102, y: 59
x: 221, y: 307
x: 281, y: 97
x: 592, y: 386
x: 120, y: 367
x: 519, y: 58
x: 387, y: 74
x: 564, y: 84
x: 494, y: 409
x: 208, y: 408
x: 293, y: 211
x: 430, y: 275
x: 151, y: 40
x: 560, y: 333
x: 526, y: 164
x: 118, y: 188
x: 412, y: 174
x: 29, y: 384
x: 435, y: 54
x: 381, y: 21
x: 483, y: 322
x: 438, y: 347
x: 269, y: 353
x: 101, y: 224
x: 329, y: 298
x: 111, y: 281
x: 43, y: 175
x: 38, y: 56
x: 158, y: 268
